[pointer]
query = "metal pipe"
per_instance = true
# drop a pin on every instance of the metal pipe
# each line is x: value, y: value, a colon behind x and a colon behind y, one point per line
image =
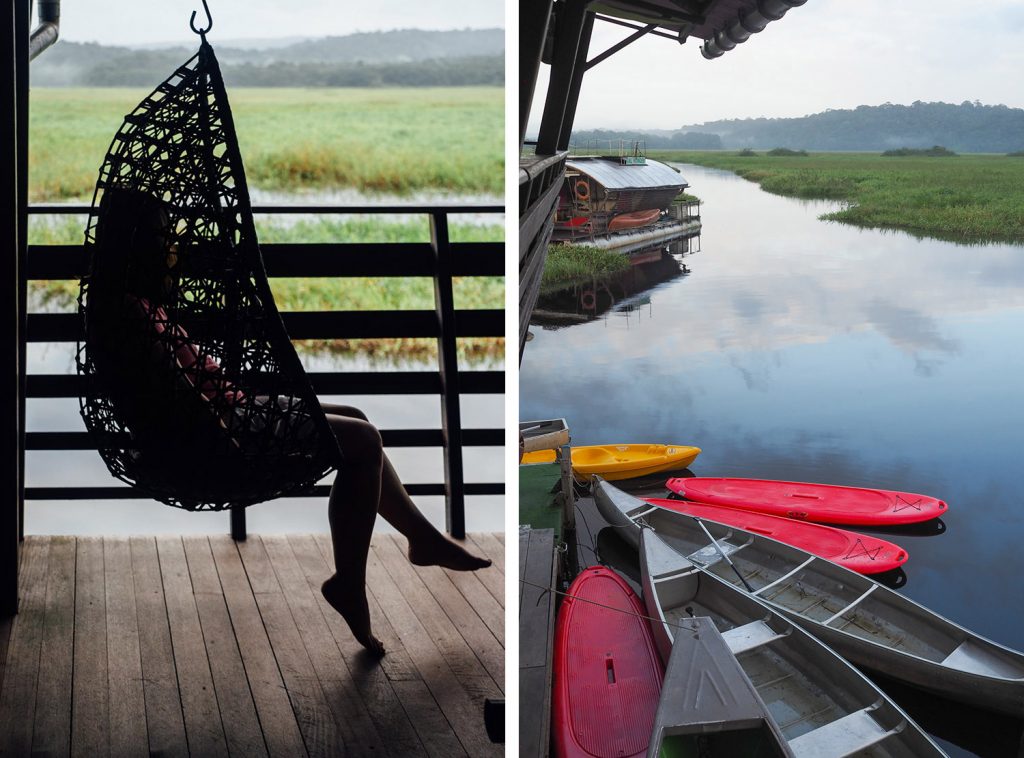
x: 48, y: 30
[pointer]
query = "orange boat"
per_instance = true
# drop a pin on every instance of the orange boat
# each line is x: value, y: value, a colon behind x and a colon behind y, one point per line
x: 633, y: 220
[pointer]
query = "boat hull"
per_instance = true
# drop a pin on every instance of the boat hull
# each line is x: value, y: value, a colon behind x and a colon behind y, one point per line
x: 816, y: 703
x: 858, y: 552
x: 866, y: 622
x: 615, y: 462
x: 821, y: 503
x: 607, y: 676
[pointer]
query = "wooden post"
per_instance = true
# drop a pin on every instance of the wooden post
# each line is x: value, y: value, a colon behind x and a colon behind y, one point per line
x: 568, y: 26
x: 238, y: 530
x: 572, y: 97
x: 534, y: 16
x: 451, y: 414
x: 14, y: 48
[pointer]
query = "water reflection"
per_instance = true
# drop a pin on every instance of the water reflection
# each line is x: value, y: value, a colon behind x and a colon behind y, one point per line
x: 624, y: 292
x: 813, y: 351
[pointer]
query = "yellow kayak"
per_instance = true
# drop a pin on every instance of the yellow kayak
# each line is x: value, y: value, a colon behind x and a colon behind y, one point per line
x: 622, y: 461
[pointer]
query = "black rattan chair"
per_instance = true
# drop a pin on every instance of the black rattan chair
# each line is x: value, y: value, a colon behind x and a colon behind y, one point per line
x: 193, y: 391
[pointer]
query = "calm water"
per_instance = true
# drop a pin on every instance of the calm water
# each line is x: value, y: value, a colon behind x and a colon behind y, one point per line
x: 807, y: 350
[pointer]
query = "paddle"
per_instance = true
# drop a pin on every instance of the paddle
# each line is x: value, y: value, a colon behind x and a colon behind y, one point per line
x: 722, y: 553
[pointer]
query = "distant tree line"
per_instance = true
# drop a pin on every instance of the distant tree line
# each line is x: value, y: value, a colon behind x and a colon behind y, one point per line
x: 446, y: 72
x: 967, y: 127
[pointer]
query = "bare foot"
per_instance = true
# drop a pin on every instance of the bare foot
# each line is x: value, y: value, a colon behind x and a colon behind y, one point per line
x: 350, y: 602
x: 441, y: 551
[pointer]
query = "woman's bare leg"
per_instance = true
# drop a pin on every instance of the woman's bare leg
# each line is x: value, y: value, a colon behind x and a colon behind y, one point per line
x: 427, y: 545
x: 351, y: 510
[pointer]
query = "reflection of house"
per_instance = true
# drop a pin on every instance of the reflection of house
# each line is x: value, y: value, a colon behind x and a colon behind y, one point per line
x: 608, y: 194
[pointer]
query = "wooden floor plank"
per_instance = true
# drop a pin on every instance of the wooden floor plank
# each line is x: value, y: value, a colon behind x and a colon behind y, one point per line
x: 52, y: 724
x: 280, y: 728
x: 433, y: 728
x: 368, y: 677
x: 463, y: 712
x: 331, y: 669
x: 234, y: 698
x: 165, y: 722
x: 127, y: 701
x: 397, y: 664
x: 493, y: 578
x: 492, y: 547
x: 465, y: 659
x: 322, y: 733
x: 90, y: 734
x: 465, y: 618
x: 490, y: 611
x: 18, y: 695
x: 203, y: 727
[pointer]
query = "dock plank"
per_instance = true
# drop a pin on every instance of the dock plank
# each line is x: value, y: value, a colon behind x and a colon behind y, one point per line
x: 322, y: 734
x: 328, y: 664
x: 537, y: 572
x: 90, y: 717
x: 126, y: 697
x: 277, y: 719
x: 368, y: 674
x: 162, y: 646
x: 234, y: 699
x: 164, y: 719
x: 52, y: 726
x: 203, y: 727
x: 399, y: 591
x: 18, y: 694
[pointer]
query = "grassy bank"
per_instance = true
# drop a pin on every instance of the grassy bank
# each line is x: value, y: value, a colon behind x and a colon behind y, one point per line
x: 972, y: 198
x: 384, y: 140
x: 569, y: 264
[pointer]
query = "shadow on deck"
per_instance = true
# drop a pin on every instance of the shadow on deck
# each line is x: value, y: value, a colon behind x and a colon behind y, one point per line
x: 203, y: 646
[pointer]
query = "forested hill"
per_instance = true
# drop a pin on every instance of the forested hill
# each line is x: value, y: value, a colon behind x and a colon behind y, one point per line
x: 404, y: 57
x: 968, y: 127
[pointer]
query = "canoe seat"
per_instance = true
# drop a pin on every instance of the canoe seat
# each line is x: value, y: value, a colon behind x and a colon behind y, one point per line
x: 846, y: 736
x: 747, y: 637
x: 971, y: 657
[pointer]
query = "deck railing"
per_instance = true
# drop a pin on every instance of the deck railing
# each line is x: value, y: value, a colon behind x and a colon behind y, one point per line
x: 439, y: 259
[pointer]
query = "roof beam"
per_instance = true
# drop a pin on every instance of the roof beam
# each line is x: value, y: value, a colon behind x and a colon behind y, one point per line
x: 657, y: 32
x: 619, y: 46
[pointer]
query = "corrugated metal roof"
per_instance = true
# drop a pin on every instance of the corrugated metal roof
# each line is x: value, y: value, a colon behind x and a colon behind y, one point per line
x: 613, y: 175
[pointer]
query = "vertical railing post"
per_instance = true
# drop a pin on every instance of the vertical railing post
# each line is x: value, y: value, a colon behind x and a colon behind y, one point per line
x: 238, y: 530
x: 13, y: 91
x: 451, y: 415
x: 23, y: 21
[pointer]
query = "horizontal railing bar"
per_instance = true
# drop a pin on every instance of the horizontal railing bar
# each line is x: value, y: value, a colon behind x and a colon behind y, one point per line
x: 322, y: 490
x: 343, y: 383
x: 40, y: 209
x: 310, y: 260
x: 390, y: 437
x: 320, y: 325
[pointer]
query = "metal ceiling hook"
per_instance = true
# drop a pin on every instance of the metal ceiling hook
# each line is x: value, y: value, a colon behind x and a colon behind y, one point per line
x: 209, y: 21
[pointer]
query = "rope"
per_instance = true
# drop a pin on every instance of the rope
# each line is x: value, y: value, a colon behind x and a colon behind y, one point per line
x: 545, y: 589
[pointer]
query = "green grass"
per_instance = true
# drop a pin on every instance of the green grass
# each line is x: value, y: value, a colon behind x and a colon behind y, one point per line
x: 375, y: 140
x: 976, y: 198
x: 568, y: 264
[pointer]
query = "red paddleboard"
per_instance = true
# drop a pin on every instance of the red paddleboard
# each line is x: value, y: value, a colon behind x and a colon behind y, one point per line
x: 857, y: 552
x: 823, y: 503
x: 607, y: 674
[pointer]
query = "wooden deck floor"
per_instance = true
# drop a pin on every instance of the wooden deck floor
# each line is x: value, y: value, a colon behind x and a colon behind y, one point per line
x: 175, y: 646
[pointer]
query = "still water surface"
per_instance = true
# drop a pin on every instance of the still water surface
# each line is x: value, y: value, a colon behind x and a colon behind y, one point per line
x: 809, y: 350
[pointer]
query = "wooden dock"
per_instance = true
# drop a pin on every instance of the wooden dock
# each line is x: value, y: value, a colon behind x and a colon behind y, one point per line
x: 538, y: 569
x: 174, y: 646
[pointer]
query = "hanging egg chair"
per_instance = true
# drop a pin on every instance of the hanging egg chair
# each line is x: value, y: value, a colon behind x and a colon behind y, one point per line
x: 192, y: 390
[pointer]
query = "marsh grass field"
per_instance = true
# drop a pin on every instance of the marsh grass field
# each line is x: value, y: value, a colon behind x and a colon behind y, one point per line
x: 963, y: 198
x: 378, y: 143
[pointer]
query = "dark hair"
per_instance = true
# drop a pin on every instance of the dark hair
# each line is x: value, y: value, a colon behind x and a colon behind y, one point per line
x: 137, y: 245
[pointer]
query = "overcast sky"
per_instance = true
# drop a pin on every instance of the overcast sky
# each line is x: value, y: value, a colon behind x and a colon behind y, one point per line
x: 127, y: 22
x: 825, y: 54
